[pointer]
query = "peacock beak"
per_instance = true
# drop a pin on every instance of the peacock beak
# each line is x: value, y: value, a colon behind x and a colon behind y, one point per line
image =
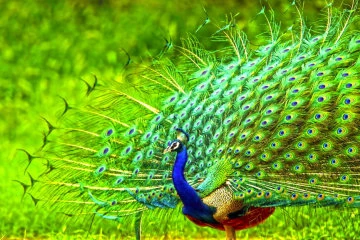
x: 168, y: 149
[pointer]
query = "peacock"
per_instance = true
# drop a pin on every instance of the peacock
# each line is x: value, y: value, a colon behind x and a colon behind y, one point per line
x: 229, y: 134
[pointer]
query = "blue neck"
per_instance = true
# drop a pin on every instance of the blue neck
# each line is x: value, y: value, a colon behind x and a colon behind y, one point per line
x: 193, y: 205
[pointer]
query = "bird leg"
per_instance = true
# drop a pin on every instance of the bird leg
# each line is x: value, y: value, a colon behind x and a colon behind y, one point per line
x: 230, y: 233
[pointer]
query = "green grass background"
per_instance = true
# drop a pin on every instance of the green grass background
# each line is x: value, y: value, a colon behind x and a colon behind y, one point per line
x: 47, y: 46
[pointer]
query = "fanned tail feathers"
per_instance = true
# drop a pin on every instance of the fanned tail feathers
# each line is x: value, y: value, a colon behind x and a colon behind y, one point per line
x: 279, y: 125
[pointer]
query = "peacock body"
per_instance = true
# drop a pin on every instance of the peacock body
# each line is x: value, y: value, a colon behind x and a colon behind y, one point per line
x: 256, y: 129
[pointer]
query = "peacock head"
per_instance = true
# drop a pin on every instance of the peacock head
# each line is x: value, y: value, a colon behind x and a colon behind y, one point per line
x: 177, y: 144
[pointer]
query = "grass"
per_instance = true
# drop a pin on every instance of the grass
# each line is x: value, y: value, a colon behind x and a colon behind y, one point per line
x: 48, y: 46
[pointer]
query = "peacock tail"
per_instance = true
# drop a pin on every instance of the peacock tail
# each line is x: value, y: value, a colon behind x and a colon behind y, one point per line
x: 277, y: 125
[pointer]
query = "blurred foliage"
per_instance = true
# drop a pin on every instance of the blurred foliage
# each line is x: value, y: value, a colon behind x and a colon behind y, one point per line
x: 47, y: 46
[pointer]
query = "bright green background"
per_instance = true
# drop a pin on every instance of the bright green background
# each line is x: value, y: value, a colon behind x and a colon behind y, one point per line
x: 47, y: 46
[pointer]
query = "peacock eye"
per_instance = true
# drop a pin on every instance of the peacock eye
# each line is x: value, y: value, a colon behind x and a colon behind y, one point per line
x: 175, y: 145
